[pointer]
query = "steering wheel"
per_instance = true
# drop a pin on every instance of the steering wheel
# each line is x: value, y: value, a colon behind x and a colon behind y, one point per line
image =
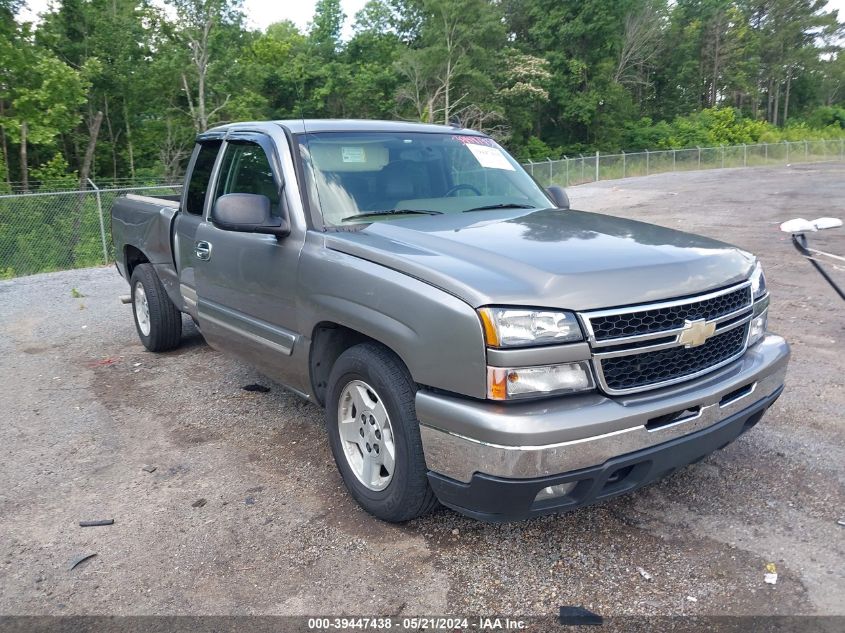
x: 462, y: 187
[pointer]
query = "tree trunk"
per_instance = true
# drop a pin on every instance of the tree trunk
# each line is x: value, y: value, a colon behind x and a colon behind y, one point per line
x: 769, y: 93
x: 93, y: 133
x: 5, y: 149
x: 84, y: 173
x: 786, y: 96
x: 111, y: 140
x: 777, y: 104
x: 24, y: 167
x: 129, y: 140
x: 715, y: 78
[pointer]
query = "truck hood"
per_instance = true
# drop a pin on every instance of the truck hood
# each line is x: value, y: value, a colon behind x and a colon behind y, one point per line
x: 547, y: 258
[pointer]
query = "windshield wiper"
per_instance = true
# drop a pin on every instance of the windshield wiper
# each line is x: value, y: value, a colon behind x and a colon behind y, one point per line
x: 372, y: 214
x: 514, y: 205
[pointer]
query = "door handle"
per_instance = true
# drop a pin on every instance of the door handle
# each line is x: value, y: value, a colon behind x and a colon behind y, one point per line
x: 203, y: 250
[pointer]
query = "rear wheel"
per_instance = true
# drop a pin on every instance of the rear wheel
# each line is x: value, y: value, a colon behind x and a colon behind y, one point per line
x: 374, y: 434
x: 158, y: 322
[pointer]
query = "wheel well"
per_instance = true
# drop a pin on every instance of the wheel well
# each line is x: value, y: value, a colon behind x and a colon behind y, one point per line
x: 133, y: 256
x: 328, y: 342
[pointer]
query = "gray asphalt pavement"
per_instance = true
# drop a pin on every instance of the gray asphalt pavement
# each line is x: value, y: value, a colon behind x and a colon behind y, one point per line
x: 244, y: 512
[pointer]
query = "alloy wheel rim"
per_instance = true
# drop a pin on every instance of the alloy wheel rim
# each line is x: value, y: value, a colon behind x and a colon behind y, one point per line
x: 366, y: 435
x: 142, y: 309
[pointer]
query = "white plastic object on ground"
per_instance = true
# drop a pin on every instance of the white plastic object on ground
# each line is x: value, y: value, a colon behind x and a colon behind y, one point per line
x: 800, y: 225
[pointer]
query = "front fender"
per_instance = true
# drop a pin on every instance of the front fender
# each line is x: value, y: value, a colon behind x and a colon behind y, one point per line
x: 437, y: 335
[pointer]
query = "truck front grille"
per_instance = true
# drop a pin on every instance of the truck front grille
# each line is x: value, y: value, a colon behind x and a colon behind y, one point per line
x: 650, y: 346
x: 625, y: 324
x: 642, y: 370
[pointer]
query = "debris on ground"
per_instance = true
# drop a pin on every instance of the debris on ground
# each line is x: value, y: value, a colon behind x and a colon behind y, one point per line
x: 96, y: 523
x: 79, y: 559
x: 256, y: 387
x: 692, y: 598
x: 199, y: 503
x: 771, y: 575
x: 645, y: 574
x: 456, y: 532
x: 249, y: 501
x: 841, y: 522
x: 150, y: 469
x: 76, y: 294
x: 104, y: 362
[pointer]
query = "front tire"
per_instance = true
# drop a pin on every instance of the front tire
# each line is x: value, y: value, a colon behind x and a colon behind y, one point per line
x: 374, y: 434
x: 158, y: 322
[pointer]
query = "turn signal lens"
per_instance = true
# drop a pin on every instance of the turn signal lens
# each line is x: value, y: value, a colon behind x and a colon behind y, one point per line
x: 546, y: 380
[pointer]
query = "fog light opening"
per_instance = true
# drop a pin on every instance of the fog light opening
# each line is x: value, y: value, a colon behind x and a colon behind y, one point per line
x: 554, y: 492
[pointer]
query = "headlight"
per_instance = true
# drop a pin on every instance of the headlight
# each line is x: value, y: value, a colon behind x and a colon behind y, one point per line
x: 545, y: 380
x: 758, y: 282
x: 759, y: 321
x: 520, y: 327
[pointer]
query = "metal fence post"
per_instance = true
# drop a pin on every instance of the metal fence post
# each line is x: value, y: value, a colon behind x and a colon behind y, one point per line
x: 531, y: 166
x: 567, y: 170
x: 744, y: 155
x: 673, y: 159
x: 597, y: 165
x: 646, y: 162
x: 102, y: 224
x: 550, y: 169
x: 766, y: 152
x: 723, y: 156
x: 787, y: 152
x: 806, y: 150
x: 842, y: 148
x: 699, y: 155
x: 582, y: 167
x: 623, y: 163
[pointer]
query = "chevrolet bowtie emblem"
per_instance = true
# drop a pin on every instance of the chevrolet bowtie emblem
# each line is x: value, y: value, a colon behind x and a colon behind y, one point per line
x: 696, y: 333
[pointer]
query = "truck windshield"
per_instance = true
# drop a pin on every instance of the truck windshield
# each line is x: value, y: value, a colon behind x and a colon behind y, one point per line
x: 357, y: 177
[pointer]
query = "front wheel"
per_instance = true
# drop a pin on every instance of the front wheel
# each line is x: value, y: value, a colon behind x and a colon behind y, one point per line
x: 374, y: 434
x: 157, y: 320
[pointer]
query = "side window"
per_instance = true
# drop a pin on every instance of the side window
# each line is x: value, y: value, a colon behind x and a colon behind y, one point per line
x: 200, y: 177
x: 246, y: 169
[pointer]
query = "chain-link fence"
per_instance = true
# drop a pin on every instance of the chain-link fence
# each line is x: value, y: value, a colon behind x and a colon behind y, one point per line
x: 51, y: 229
x: 575, y: 170
x: 46, y: 231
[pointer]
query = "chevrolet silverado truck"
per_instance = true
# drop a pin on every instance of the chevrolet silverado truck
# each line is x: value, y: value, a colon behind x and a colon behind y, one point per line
x: 473, y: 340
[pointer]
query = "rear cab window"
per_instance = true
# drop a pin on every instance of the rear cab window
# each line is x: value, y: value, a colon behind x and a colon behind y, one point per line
x: 200, y: 179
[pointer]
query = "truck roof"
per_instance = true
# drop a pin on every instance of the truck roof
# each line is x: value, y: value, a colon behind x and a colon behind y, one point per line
x: 300, y: 126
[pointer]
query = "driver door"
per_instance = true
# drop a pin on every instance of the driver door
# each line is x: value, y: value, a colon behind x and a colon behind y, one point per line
x: 247, y: 286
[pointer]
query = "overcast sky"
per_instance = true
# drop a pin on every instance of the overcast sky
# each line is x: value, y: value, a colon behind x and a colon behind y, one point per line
x: 260, y: 13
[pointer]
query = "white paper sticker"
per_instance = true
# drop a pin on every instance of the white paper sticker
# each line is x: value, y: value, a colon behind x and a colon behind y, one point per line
x: 491, y: 157
x: 353, y: 155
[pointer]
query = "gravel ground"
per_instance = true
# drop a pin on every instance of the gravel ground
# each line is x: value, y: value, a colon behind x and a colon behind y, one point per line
x: 246, y: 514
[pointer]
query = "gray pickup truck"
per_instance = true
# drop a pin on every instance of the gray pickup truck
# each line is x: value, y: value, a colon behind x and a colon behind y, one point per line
x: 473, y: 341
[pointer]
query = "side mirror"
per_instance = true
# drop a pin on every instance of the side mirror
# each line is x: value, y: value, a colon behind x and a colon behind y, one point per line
x: 558, y: 196
x: 247, y: 213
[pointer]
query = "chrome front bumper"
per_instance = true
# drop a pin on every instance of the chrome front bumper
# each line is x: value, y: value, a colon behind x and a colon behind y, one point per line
x: 463, y: 437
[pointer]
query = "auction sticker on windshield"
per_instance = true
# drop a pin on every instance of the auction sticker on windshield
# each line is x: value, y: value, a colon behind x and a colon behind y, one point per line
x: 491, y: 157
x: 353, y: 154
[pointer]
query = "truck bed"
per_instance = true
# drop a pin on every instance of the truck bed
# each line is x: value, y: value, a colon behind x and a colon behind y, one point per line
x: 144, y: 223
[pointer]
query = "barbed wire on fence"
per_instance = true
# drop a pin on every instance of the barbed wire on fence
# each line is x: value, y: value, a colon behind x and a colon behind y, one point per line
x: 53, y: 228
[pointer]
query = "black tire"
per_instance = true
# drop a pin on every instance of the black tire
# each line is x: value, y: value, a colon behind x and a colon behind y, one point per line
x: 165, y: 321
x: 408, y: 495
